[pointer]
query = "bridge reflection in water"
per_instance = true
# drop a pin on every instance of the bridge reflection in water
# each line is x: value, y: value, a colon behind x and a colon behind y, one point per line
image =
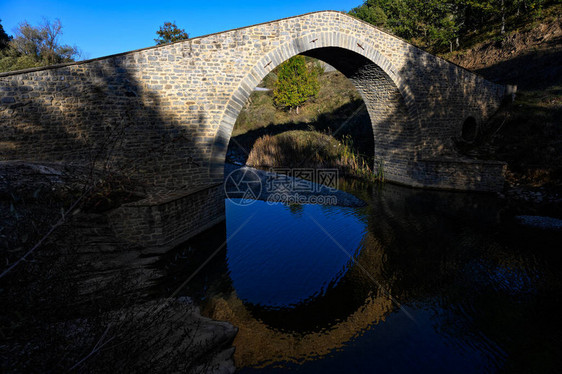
x: 415, y: 280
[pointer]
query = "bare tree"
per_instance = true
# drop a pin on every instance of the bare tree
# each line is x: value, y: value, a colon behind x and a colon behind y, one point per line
x: 42, y: 43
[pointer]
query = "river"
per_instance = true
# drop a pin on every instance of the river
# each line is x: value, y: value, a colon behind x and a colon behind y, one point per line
x: 414, y: 281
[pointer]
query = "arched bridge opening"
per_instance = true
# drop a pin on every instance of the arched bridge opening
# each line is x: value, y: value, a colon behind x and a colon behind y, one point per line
x: 394, y: 122
x: 393, y: 130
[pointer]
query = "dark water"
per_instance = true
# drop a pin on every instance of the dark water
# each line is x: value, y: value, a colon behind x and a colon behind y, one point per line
x: 416, y: 281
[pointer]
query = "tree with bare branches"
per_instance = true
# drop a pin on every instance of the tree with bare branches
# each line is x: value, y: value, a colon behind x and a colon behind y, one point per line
x: 36, y: 46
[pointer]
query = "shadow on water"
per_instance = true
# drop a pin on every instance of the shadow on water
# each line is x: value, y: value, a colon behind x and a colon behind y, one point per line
x: 470, y: 289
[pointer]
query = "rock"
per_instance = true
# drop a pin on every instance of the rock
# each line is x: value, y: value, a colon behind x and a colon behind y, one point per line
x: 168, y: 335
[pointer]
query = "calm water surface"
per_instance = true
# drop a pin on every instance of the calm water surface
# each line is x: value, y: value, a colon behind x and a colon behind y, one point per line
x: 415, y: 281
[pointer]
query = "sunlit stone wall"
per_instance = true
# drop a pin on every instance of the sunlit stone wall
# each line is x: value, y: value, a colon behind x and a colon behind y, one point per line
x: 165, y: 114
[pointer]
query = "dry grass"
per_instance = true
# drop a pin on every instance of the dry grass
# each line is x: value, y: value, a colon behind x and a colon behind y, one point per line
x: 531, y: 138
x: 311, y: 149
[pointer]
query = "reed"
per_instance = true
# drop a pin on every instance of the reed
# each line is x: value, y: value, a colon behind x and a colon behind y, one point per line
x: 312, y: 149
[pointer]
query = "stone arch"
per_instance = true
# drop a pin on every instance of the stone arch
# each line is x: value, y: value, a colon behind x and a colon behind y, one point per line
x: 375, y: 77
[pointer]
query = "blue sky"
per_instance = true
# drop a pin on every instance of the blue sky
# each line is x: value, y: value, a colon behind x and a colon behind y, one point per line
x: 103, y: 27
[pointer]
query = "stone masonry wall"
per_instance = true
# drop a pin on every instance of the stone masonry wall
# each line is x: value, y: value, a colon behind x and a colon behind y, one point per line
x: 165, y: 114
x: 475, y: 175
x: 170, y: 221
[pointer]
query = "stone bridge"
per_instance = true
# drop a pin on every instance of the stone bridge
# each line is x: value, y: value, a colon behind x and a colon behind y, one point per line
x: 165, y: 114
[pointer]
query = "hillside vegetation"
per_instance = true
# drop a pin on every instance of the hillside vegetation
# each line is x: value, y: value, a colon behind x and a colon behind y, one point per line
x: 440, y: 25
x: 528, y: 132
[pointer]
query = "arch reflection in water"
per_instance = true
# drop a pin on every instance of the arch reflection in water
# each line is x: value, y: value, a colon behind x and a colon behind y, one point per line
x: 297, y: 294
x: 285, y: 250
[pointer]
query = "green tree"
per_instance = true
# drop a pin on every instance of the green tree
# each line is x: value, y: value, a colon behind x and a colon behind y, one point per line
x: 4, y: 38
x: 36, y: 46
x: 428, y: 22
x: 296, y: 83
x: 375, y: 15
x: 437, y: 23
x: 169, y: 33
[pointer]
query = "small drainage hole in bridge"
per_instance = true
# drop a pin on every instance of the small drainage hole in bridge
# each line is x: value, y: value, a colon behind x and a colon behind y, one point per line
x: 469, y: 130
